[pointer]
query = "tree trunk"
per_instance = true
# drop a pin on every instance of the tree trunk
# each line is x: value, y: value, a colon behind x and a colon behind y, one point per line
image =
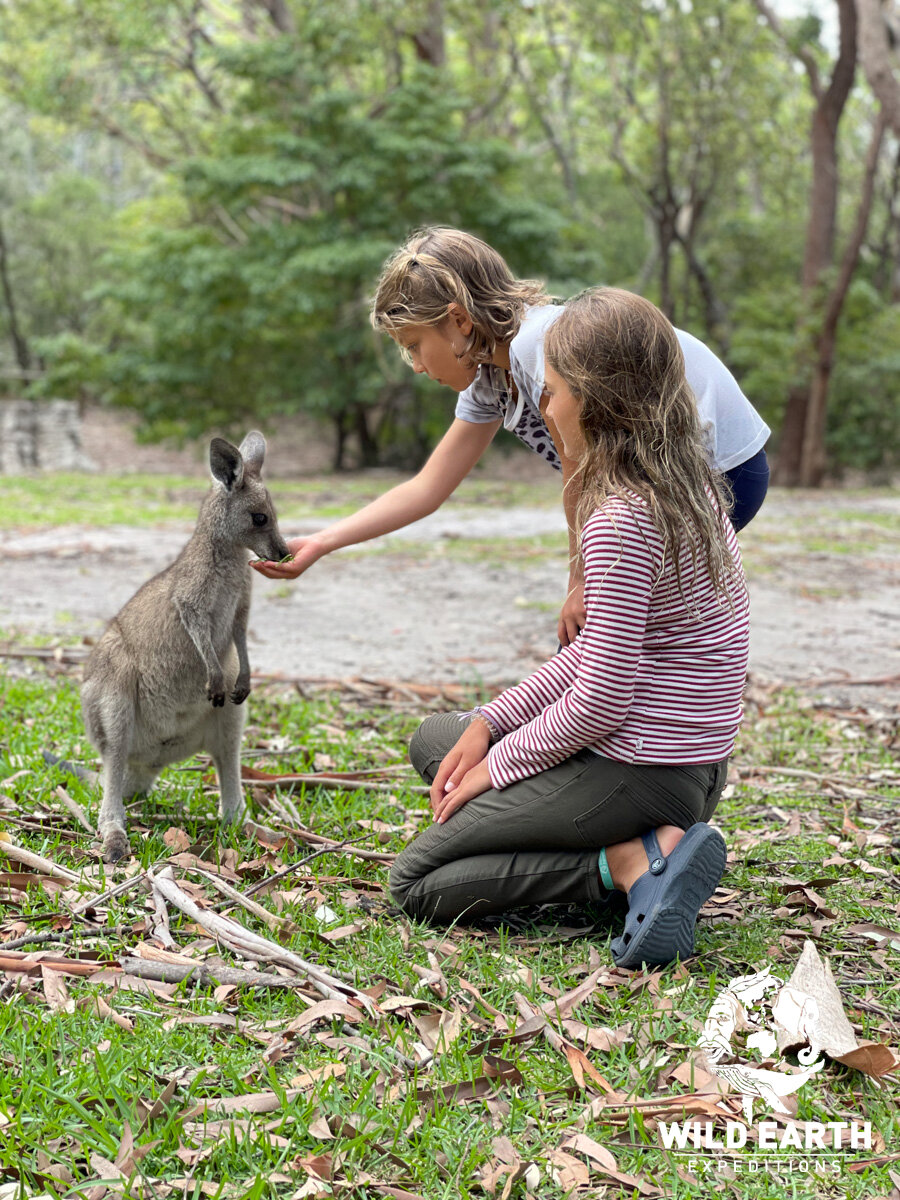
x: 279, y: 14
x: 429, y: 42
x: 879, y: 25
x: 812, y: 463
x: 368, y: 447
x: 804, y: 413
x: 887, y: 273
x: 20, y: 343
x: 339, y: 456
x: 714, y: 311
x: 665, y: 233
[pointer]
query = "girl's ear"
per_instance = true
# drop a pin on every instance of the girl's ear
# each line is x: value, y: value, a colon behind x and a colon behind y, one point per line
x: 460, y: 319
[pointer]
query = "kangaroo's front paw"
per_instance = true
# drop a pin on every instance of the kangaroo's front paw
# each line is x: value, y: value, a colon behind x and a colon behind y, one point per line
x: 115, y: 846
x: 241, y: 690
x: 215, y: 692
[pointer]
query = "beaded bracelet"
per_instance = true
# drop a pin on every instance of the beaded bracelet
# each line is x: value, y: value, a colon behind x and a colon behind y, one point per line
x: 479, y: 715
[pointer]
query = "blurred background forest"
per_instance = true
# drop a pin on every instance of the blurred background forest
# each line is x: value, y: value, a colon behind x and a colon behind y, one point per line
x: 196, y: 197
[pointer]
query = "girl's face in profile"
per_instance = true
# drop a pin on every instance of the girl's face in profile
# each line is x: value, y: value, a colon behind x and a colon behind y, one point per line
x: 433, y: 350
x: 564, y: 410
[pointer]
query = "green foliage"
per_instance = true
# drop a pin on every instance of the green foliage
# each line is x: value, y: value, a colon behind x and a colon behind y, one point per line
x: 863, y: 432
x: 196, y: 210
x: 257, y: 301
x: 863, y: 429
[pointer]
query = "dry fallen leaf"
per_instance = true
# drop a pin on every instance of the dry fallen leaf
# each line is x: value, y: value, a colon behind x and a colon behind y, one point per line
x: 567, y: 1171
x: 811, y: 1005
x: 176, y: 839
x: 438, y: 1030
x: 55, y: 991
x: 583, y: 1144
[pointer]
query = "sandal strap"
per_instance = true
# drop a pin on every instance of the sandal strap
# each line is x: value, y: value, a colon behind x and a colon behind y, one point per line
x: 658, y: 861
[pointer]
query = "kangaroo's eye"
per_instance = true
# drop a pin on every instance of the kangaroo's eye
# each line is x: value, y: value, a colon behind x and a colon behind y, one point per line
x: 259, y: 518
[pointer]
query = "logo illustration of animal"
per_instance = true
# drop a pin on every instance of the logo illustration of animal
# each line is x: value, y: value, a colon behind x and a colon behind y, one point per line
x: 170, y: 674
x: 736, y: 1007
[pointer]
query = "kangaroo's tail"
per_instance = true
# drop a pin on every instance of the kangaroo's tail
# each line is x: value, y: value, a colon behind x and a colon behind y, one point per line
x: 79, y: 772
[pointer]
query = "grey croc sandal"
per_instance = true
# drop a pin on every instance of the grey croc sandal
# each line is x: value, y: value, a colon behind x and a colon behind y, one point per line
x: 664, y: 902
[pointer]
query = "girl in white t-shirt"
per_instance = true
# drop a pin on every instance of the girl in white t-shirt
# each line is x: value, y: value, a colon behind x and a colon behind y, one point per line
x: 594, y: 779
x: 459, y: 315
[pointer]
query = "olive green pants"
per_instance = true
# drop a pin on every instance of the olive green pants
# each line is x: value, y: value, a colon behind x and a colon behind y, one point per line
x: 537, y: 841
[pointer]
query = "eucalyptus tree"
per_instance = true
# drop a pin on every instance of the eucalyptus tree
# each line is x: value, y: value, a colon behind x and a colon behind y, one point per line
x: 292, y: 154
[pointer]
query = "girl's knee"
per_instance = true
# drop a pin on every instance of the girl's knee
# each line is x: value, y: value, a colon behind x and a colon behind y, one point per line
x: 432, y: 741
x: 715, y: 792
x: 399, y: 890
x: 400, y: 885
x: 420, y: 752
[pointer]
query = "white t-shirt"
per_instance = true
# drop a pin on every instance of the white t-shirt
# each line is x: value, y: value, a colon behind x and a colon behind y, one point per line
x: 734, y: 429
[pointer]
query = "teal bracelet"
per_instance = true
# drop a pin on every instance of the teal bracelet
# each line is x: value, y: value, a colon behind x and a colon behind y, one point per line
x: 605, y: 873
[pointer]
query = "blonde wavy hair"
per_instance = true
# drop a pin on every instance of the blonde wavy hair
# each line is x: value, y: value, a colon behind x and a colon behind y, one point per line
x: 439, y: 266
x: 641, y: 432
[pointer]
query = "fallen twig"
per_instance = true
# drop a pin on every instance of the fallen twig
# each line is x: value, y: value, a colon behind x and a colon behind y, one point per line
x: 34, y: 825
x: 297, y: 830
x: 250, y: 945
x: 69, y: 654
x: 161, y: 929
x: 258, y: 780
x: 832, y: 781
x: 275, y: 923
x: 37, y: 862
x: 75, y: 809
x: 165, y: 972
x: 338, y: 848
x: 847, y: 681
x: 118, y: 890
x: 62, y: 936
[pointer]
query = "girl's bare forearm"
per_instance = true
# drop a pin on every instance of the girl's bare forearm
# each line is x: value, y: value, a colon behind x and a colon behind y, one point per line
x: 401, y: 506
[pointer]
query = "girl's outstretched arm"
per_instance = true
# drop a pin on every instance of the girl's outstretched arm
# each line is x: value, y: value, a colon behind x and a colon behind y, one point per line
x: 451, y: 461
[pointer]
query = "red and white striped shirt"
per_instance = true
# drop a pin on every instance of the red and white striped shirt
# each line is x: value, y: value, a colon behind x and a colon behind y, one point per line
x: 650, y: 678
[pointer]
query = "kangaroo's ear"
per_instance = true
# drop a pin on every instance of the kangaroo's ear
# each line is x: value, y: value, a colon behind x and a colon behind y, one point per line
x: 253, y: 451
x: 226, y: 463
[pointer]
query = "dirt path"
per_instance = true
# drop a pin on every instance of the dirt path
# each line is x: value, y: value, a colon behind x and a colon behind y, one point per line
x: 464, y: 596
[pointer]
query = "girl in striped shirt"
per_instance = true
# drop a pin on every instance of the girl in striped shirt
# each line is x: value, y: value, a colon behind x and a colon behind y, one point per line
x: 596, y: 776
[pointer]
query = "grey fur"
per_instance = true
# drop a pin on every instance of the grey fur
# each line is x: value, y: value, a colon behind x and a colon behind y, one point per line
x: 156, y: 683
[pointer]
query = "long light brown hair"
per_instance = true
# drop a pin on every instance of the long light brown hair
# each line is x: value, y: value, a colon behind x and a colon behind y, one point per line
x: 439, y: 266
x: 641, y: 432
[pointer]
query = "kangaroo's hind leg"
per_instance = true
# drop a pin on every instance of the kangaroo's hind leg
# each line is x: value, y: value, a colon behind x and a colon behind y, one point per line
x: 223, y: 741
x: 111, y: 723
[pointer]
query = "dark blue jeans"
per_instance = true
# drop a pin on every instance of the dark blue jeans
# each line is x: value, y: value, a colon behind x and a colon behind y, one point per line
x: 749, y: 483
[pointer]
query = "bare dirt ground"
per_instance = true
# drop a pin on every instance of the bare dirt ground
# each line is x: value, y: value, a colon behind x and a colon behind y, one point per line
x: 460, y: 597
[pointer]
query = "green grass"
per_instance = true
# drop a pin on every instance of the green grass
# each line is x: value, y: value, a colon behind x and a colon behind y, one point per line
x: 74, y: 1081
x: 38, y: 501
x: 524, y: 549
x: 831, y: 528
